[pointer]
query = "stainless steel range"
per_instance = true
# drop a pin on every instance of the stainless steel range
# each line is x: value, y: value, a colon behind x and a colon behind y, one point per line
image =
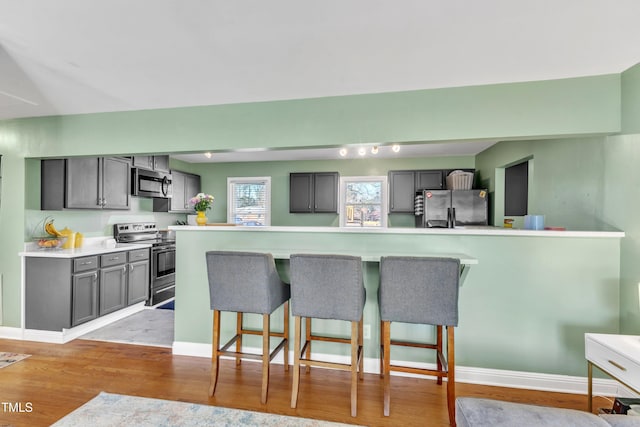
x: 163, y: 256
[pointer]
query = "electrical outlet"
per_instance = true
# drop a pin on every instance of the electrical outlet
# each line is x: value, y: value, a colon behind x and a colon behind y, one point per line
x: 366, y: 332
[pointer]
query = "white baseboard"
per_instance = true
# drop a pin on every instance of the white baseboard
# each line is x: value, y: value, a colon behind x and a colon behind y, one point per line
x: 481, y: 376
x: 10, y: 333
x: 66, y: 335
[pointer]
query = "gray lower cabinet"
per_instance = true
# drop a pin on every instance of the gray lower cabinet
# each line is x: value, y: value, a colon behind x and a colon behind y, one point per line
x: 61, y: 293
x: 113, y: 288
x: 84, y: 294
x: 138, y: 276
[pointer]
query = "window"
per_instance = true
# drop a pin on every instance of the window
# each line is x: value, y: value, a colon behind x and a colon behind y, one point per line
x: 249, y: 201
x: 363, y: 201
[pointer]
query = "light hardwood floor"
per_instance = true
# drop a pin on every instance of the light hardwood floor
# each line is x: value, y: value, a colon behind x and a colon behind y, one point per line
x: 57, y: 379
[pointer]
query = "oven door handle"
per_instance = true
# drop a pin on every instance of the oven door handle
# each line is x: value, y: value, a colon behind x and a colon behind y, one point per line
x: 164, y: 289
x: 162, y: 251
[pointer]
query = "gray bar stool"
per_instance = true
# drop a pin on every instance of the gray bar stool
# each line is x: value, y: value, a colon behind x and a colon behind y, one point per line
x: 245, y: 282
x: 327, y: 287
x: 419, y: 290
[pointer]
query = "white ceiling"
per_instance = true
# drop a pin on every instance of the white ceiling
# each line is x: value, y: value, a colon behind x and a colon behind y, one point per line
x: 78, y: 56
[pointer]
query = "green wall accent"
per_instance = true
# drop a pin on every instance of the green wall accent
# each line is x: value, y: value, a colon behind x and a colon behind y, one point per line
x: 631, y: 100
x: 521, y: 110
x: 583, y: 105
x: 620, y: 207
x: 214, y: 181
x: 566, y: 179
x: 524, y: 307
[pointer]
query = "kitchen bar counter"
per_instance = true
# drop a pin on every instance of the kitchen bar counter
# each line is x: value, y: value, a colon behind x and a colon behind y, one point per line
x: 530, y: 294
x: 458, y: 231
x: 33, y: 251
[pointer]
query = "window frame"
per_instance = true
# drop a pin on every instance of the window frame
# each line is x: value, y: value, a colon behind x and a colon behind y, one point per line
x: 249, y: 180
x: 384, y: 202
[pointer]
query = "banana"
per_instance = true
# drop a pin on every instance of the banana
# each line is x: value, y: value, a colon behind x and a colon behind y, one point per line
x: 50, y: 229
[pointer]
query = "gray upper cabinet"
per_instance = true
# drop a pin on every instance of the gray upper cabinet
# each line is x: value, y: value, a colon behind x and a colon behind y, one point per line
x: 183, y: 186
x: 301, y: 192
x: 429, y: 180
x: 156, y: 163
x: 404, y: 184
x: 85, y: 183
x: 401, y: 191
x: 313, y: 192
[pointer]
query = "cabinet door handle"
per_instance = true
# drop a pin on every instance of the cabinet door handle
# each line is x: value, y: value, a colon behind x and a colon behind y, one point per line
x: 95, y: 276
x: 124, y: 270
x: 131, y: 267
x: 617, y: 365
x: 104, y: 202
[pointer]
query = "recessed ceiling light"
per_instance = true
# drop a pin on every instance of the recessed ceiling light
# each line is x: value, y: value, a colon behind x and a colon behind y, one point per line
x: 395, y: 148
x: 362, y: 151
x: 343, y: 152
x: 207, y: 155
x: 374, y: 149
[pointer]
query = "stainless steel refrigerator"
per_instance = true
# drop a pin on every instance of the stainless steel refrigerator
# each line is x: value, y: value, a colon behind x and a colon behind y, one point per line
x: 450, y: 208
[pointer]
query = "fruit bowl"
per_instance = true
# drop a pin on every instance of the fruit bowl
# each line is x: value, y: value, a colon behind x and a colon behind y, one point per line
x: 50, y: 242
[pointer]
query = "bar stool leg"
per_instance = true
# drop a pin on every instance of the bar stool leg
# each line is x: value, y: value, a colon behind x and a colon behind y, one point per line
x: 286, y: 336
x: 265, y: 357
x: 361, y: 348
x: 386, y: 329
x: 308, y: 342
x: 239, y: 341
x: 296, y: 362
x: 439, y: 351
x: 215, y: 355
x: 381, y: 349
x: 451, y: 383
x: 355, y: 339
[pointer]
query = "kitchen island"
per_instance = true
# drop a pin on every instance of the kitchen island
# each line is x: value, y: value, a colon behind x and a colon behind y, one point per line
x: 525, y: 304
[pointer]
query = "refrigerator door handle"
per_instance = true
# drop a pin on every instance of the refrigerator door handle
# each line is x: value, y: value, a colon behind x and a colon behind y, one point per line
x: 453, y: 217
x: 448, y: 217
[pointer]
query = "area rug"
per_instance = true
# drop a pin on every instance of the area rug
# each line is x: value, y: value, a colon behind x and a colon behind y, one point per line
x: 108, y: 409
x: 146, y: 327
x: 7, y: 359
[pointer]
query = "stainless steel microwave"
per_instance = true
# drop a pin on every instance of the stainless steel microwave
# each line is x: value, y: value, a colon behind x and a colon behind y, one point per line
x: 146, y: 183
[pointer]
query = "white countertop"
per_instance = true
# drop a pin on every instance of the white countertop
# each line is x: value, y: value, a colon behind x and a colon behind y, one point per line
x: 31, y: 250
x: 458, y: 231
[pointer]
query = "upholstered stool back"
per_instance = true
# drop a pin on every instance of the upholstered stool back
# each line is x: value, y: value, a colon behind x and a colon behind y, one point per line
x: 244, y: 282
x: 327, y: 287
x: 421, y: 290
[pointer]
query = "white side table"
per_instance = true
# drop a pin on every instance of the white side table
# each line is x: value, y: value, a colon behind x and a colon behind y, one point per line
x: 616, y: 355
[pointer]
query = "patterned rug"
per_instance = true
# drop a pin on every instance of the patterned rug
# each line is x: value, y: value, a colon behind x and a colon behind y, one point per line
x: 7, y: 359
x: 108, y: 409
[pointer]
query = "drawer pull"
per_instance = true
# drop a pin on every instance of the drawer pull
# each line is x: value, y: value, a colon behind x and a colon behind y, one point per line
x: 617, y: 365
x: 86, y: 263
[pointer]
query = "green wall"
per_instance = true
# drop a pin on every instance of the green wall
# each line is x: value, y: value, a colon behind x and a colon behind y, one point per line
x: 214, y: 181
x: 631, y: 100
x: 589, y: 105
x: 524, y: 307
x: 566, y: 178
